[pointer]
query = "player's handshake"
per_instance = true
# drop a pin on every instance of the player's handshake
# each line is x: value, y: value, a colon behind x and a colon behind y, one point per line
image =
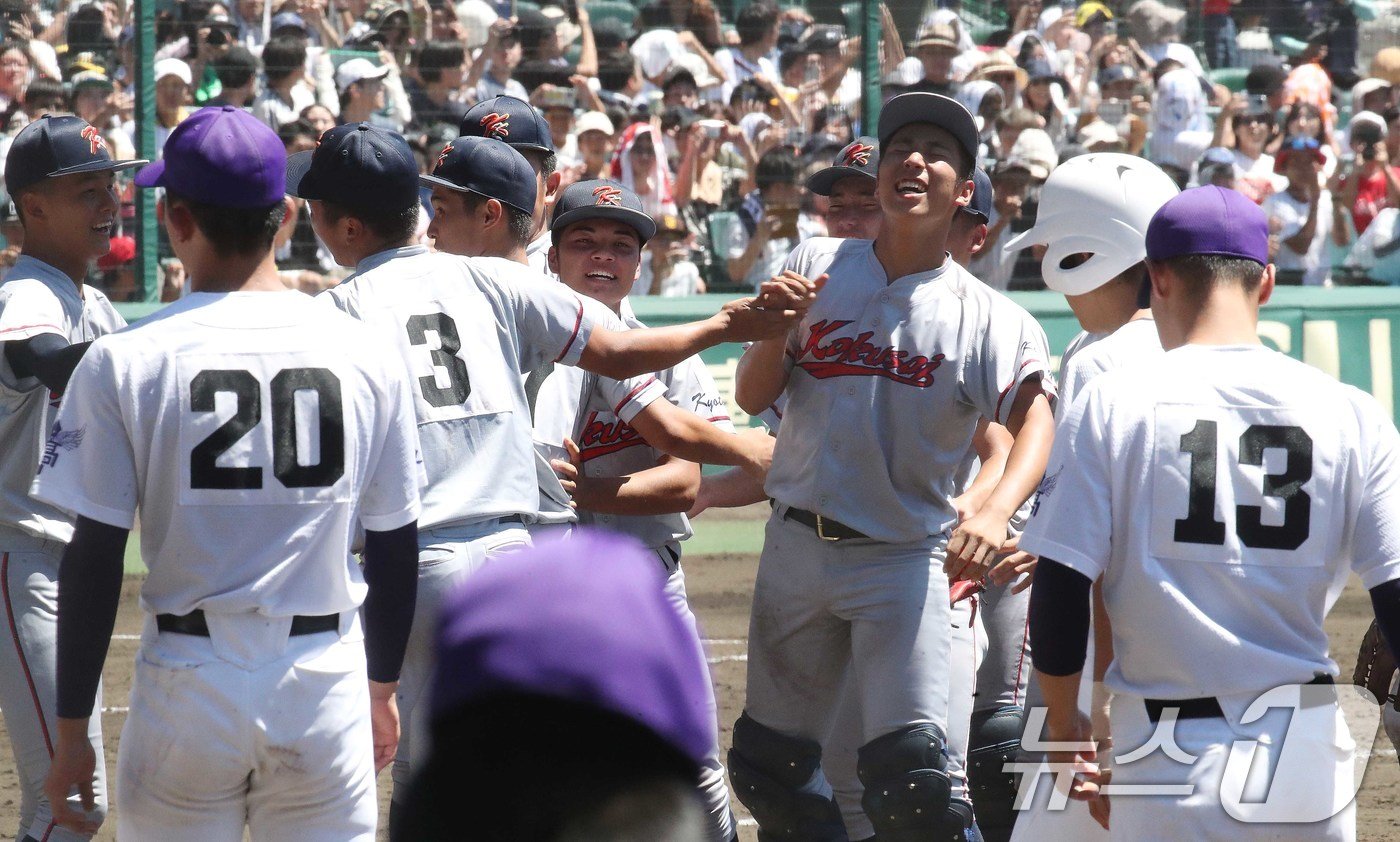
x: 780, y: 304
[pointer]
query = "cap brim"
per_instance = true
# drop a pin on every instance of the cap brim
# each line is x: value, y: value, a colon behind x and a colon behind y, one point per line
x: 644, y: 225
x: 298, y: 166
x: 97, y: 166
x: 439, y: 181
x: 822, y: 182
x: 919, y: 107
x: 1023, y: 240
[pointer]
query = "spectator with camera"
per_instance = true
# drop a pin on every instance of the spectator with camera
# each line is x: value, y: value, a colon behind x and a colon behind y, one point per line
x: 757, y: 26
x: 771, y: 221
x: 1365, y: 182
x: 491, y: 73
x: 1298, y: 215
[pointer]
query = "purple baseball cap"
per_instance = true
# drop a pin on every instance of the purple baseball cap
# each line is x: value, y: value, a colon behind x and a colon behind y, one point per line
x: 221, y: 156
x: 584, y: 619
x: 1209, y: 220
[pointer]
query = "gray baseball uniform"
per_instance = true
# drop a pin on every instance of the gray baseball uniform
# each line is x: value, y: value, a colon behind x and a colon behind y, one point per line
x: 888, y: 379
x: 36, y: 298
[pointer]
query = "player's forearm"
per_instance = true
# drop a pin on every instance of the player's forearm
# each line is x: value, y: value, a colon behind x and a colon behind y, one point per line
x: 730, y: 489
x: 1059, y: 636
x: 1103, y: 633
x: 47, y: 357
x: 665, y: 489
x: 1385, y: 600
x: 685, y: 435
x: 89, y: 589
x: 628, y: 353
x: 761, y: 376
x: 1025, y: 464
x: 391, y: 572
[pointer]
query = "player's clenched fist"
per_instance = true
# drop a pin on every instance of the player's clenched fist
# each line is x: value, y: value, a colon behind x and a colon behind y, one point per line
x: 74, y: 764
x: 758, y: 448
x: 384, y: 722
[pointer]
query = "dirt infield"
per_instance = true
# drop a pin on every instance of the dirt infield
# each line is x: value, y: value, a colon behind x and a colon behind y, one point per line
x: 720, y: 587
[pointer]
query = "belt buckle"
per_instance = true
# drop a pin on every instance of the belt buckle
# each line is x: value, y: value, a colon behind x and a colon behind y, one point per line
x: 821, y: 531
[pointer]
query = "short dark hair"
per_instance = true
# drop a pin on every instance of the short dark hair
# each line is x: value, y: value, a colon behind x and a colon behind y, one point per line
x: 41, y: 89
x: 777, y: 166
x: 755, y: 21
x: 390, y: 226
x: 236, y: 68
x: 522, y: 224
x: 536, y: 71
x: 290, y: 131
x: 283, y: 55
x: 1201, y: 272
x: 437, y: 56
x: 233, y: 232
x: 615, y: 71
x: 549, y: 161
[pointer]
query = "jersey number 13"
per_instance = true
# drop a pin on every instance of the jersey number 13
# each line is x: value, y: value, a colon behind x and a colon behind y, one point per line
x: 1200, y: 526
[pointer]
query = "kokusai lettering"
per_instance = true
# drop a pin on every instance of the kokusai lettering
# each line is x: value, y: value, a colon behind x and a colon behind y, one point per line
x: 826, y: 356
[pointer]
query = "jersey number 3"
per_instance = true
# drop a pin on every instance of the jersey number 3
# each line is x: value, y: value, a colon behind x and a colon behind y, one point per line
x: 1200, y: 526
x: 459, y: 386
x: 247, y: 392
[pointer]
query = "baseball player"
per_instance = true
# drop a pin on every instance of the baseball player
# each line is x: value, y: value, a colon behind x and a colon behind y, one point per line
x: 517, y: 123
x: 468, y: 222
x: 60, y: 176
x: 1100, y: 271
x: 466, y: 329
x: 1225, y: 492
x: 255, y: 431
x: 885, y: 377
x: 616, y: 476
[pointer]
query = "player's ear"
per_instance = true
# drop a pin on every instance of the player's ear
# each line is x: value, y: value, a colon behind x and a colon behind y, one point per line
x: 551, y: 186
x: 179, y: 223
x: 964, y: 195
x: 553, y: 258
x: 979, y: 239
x: 493, y: 212
x: 1266, y: 285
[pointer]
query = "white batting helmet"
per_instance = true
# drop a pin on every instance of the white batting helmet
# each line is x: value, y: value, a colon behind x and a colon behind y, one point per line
x: 1097, y: 204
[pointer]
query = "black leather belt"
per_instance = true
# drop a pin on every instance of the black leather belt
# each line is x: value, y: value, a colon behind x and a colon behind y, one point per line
x: 193, y: 623
x: 826, y: 528
x: 1206, y: 707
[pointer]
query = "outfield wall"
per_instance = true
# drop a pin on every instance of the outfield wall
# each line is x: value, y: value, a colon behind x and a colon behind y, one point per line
x: 1352, y: 333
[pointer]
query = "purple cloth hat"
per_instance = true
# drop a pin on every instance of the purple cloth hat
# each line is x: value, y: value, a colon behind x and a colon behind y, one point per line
x: 583, y: 619
x: 221, y: 156
x: 1209, y: 220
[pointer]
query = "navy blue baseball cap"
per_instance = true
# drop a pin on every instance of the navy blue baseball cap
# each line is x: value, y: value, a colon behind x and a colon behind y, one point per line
x: 513, y: 121
x: 859, y: 157
x: 359, y: 166
x: 982, y: 195
x: 601, y: 198
x: 935, y: 109
x: 56, y: 145
x: 1209, y: 220
x: 221, y: 156
x: 486, y: 167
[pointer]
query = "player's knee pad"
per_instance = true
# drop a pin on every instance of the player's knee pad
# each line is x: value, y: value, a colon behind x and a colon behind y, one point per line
x: 908, y: 794
x: 994, y: 742
x: 769, y: 771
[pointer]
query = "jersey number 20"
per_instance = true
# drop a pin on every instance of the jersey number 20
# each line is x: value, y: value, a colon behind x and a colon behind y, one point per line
x: 247, y: 392
x: 1200, y: 526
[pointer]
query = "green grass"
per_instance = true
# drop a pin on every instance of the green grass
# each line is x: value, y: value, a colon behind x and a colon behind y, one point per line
x: 713, y: 536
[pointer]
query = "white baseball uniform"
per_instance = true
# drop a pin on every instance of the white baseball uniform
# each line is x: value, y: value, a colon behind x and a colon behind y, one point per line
x: 1088, y: 356
x: 887, y: 381
x: 1224, y: 494
x: 610, y: 447
x: 36, y: 298
x: 255, y: 432
x: 465, y: 329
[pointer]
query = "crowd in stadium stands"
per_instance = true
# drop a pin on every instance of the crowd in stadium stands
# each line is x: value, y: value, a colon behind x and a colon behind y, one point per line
x: 715, y: 111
